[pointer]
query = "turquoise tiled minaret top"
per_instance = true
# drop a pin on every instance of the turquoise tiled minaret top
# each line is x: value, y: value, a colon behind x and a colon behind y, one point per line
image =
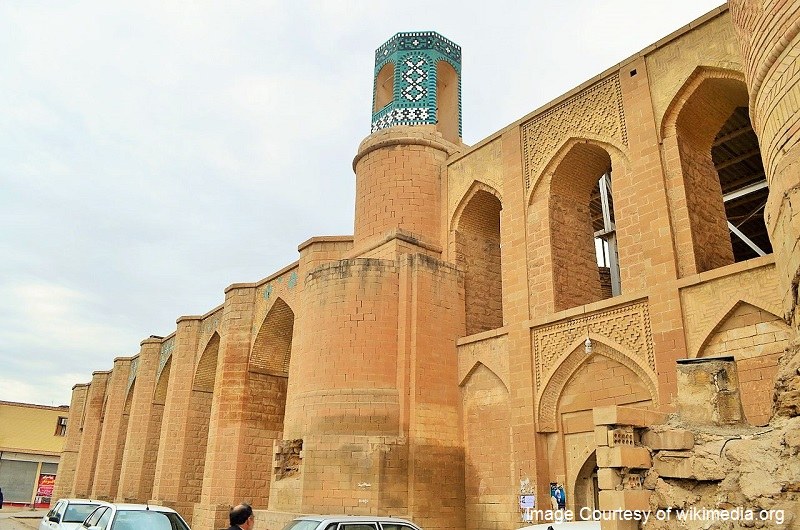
x: 415, y: 56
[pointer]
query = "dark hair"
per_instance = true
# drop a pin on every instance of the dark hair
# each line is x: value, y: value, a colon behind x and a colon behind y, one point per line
x: 240, y: 514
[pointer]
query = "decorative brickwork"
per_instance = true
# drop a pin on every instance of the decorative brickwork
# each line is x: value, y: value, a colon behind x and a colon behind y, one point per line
x: 628, y: 326
x: 596, y: 110
x: 611, y: 384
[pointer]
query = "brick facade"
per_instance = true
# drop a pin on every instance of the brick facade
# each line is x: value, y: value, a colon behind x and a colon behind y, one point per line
x: 448, y: 356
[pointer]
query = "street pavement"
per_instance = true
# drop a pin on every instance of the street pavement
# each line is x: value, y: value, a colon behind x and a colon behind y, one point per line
x: 20, y: 518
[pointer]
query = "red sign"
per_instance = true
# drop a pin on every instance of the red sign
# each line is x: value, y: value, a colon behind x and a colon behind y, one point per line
x: 46, y: 483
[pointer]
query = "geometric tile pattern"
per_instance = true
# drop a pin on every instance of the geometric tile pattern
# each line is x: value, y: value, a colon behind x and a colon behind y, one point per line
x: 415, y: 56
x: 596, y: 110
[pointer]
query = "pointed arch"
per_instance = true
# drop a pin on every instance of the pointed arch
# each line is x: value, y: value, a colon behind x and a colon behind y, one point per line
x: 206, y: 372
x: 162, y: 383
x: 551, y: 391
x: 476, y: 240
x: 475, y: 187
x: 447, y: 101
x: 384, y: 87
x: 482, y: 365
x: 488, y: 470
x: 690, y: 87
x: 577, y: 216
x: 272, y: 347
x: 616, y: 151
x: 725, y: 311
x: 715, y: 179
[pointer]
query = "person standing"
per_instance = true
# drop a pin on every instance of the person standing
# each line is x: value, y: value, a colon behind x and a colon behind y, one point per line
x: 1, y: 498
x: 241, y: 517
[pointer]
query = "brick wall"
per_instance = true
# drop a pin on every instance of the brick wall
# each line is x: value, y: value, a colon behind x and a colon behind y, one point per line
x: 90, y: 437
x: 477, y: 241
x: 144, y: 426
x: 489, y: 484
x: 112, y: 437
x: 65, y: 478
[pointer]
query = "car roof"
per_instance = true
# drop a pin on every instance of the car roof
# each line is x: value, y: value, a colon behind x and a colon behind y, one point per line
x: 143, y: 508
x: 85, y: 501
x: 352, y: 518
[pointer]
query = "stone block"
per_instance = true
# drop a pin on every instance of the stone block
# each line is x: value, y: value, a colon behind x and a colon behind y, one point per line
x: 623, y: 456
x: 601, y: 435
x: 635, y: 417
x: 625, y: 500
x: 672, y: 440
x: 708, y: 391
x: 608, y: 478
x: 687, y: 465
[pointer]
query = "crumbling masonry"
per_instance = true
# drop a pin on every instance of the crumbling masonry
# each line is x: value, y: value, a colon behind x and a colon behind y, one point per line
x: 544, y: 309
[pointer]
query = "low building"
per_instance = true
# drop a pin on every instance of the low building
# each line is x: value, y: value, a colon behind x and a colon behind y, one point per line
x: 31, y: 440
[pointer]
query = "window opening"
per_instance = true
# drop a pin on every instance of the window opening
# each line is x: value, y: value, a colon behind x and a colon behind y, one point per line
x: 605, y: 234
x: 737, y: 159
x: 61, y: 426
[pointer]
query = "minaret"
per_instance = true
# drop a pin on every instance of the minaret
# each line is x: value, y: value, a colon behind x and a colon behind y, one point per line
x: 418, y: 81
x: 416, y: 125
x: 372, y: 408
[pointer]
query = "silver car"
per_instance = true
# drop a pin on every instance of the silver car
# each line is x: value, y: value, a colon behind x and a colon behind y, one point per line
x: 349, y: 522
x: 134, y: 517
x: 68, y: 514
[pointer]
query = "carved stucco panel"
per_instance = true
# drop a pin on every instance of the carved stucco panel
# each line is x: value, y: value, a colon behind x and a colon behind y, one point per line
x: 627, y: 326
x: 595, y: 112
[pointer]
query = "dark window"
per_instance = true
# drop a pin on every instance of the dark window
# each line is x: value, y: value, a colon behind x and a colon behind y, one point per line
x: 61, y: 426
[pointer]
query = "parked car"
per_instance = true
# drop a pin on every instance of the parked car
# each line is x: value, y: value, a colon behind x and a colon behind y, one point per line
x: 349, y: 522
x: 571, y: 525
x: 68, y: 514
x: 134, y: 517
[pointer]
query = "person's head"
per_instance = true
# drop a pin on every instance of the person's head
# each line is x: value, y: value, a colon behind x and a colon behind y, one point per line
x: 242, y: 515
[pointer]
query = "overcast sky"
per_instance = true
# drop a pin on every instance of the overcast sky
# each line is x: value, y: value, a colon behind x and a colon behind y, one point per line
x: 154, y: 152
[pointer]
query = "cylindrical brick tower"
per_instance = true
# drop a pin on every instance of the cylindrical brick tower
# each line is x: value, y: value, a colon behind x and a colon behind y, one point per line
x: 769, y: 35
x: 371, y: 421
x: 416, y: 124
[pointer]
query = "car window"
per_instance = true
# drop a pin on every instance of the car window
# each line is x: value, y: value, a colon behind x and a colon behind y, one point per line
x: 77, y: 513
x: 61, y: 506
x: 95, y: 516
x: 357, y: 526
x: 395, y: 526
x: 53, y: 510
x: 147, y: 520
x: 103, y: 522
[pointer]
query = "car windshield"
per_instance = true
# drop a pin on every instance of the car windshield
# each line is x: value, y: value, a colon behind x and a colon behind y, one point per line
x: 147, y: 520
x: 301, y: 525
x: 76, y: 513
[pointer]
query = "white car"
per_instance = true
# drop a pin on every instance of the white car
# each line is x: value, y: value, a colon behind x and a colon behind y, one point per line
x: 572, y: 525
x: 68, y: 514
x: 349, y: 522
x: 134, y: 517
